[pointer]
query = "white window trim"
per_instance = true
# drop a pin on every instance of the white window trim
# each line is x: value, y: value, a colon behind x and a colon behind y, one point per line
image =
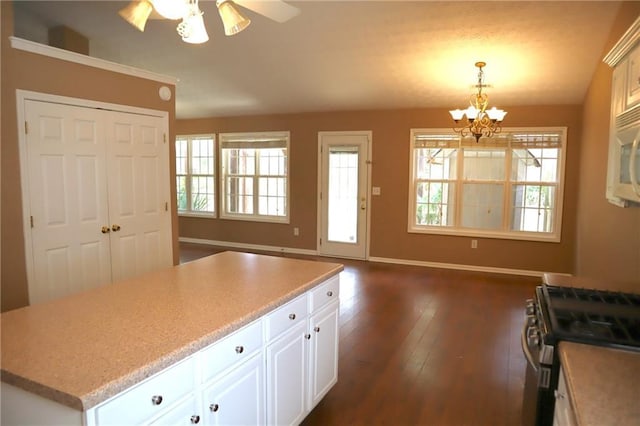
x: 192, y: 213
x: 256, y: 136
x: 554, y: 236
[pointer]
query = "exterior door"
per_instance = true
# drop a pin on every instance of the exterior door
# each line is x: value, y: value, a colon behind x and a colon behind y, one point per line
x: 97, y: 185
x: 344, y: 188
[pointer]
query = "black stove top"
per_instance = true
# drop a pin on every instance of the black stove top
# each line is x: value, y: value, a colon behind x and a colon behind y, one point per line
x: 592, y: 316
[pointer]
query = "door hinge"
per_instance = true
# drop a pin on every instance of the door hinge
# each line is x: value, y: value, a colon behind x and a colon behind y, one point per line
x: 26, y: 128
x: 31, y: 220
x: 166, y: 206
x: 320, y: 241
x: 164, y: 137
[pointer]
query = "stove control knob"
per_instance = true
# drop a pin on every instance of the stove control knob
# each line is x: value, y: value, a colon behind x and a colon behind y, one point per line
x: 533, y: 336
x: 531, y: 320
x: 531, y: 310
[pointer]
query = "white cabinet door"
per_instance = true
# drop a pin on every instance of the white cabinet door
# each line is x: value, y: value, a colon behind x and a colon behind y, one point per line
x: 140, y: 221
x: 67, y: 192
x: 633, y: 78
x: 238, y: 397
x: 323, y: 360
x: 286, y: 377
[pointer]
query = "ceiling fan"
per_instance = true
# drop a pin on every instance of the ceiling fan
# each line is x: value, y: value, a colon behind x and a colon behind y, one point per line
x: 191, y: 28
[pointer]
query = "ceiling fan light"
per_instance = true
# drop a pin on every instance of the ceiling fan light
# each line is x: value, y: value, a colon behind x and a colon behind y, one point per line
x: 136, y: 13
x: 171, y: 9
x: 232, y: 19
x: 192, y: 29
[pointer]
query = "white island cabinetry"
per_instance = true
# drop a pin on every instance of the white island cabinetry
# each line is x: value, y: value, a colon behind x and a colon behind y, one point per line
x: 271, y: 370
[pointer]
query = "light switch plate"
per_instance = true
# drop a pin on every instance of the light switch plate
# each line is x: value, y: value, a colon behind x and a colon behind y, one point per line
x: 375, y: 190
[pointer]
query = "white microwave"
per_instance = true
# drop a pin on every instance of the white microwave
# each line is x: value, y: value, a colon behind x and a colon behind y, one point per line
x: 623, y: 172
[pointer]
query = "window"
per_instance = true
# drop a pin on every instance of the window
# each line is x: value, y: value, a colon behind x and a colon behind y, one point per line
x: 195, y: 174
x: 508, y: 186
x: 255, y: 176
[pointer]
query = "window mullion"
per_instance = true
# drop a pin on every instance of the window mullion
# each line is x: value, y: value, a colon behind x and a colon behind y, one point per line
x: 188, y: 176
x: 508, y: 202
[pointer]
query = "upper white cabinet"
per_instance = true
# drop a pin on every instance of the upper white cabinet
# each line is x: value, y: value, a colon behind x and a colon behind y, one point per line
x: 623, y: 165
x: 633, y: 78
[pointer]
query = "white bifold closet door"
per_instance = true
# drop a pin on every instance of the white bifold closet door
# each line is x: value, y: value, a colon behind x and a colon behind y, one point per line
x: 98, y: 197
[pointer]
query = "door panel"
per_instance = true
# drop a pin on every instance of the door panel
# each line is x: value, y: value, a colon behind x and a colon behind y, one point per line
x: 67, y: 198
x: 138, y: 195
x: 344, y: 182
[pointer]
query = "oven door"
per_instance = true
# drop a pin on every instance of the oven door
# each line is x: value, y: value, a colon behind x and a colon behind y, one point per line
x: 538, y: 400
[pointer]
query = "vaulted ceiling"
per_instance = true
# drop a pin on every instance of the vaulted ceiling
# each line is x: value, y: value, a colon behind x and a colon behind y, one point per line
x: 353, y: 55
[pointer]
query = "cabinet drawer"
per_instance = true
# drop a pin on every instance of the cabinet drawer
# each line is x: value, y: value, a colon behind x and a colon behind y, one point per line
x: 188, y: 412
x: 325, y: 293
x: 286, y: 316
x: 234, y: 348
x: 150, y: 397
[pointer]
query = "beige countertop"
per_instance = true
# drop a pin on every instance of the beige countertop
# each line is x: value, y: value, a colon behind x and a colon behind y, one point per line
x: 603, y: 384
x: 83, y: 349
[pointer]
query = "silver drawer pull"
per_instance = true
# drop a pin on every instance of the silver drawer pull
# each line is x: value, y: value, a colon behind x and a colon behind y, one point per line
x: 156, y: 399
x: 239, y: 349
x: 195, y: 420
x: 292, y: 316
x: 316, y: 329
x: 329, y: 293
x: 214, y: 407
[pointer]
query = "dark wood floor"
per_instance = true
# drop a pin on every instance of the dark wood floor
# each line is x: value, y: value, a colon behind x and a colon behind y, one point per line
x: 423, y: 346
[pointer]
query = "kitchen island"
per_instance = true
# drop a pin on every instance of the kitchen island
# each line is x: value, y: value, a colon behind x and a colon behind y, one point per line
x: 82, y: 352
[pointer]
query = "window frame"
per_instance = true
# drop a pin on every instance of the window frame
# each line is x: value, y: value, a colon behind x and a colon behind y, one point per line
x: 224, y: 140
x: 505, y: 231
x: 189, y: 138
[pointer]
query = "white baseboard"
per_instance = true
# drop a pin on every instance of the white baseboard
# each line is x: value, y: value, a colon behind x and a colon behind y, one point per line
x: 459, y: 267
x: 455, y: 266
x: 244, y: 246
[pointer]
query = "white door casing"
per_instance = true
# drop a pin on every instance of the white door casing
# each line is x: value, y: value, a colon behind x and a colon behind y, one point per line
x: 67, y: 153
x: 350, y: 210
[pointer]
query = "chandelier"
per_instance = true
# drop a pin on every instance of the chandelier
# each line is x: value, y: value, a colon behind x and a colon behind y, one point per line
x: 477, y: 120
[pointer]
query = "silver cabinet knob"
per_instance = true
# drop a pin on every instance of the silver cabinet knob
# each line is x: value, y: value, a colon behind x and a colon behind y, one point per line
x: 307, y: 336
x: 239, y: 349
x: 156, y: 399
x: 195, y: 420
x: 316, y: 329
x: 292, y: 316
x: 329, y: 293
x: 214, y: 408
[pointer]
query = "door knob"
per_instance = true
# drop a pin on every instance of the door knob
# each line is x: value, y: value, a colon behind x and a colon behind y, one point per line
x: 105, y: 229
x: 115, y: 228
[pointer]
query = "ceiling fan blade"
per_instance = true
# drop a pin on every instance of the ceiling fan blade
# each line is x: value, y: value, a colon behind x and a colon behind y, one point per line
x: 276, y: 10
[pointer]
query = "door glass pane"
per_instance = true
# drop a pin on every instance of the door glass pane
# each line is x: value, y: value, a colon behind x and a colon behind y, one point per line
x: 343, y: 195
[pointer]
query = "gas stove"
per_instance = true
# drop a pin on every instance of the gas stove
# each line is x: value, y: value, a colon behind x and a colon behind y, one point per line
x: 591, y: 316
x: 583, y: 315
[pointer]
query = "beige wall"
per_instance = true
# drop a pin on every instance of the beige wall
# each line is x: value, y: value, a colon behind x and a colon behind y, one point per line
x: 390, y: 172
x: 608, y: 243
x: 23, y: 70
